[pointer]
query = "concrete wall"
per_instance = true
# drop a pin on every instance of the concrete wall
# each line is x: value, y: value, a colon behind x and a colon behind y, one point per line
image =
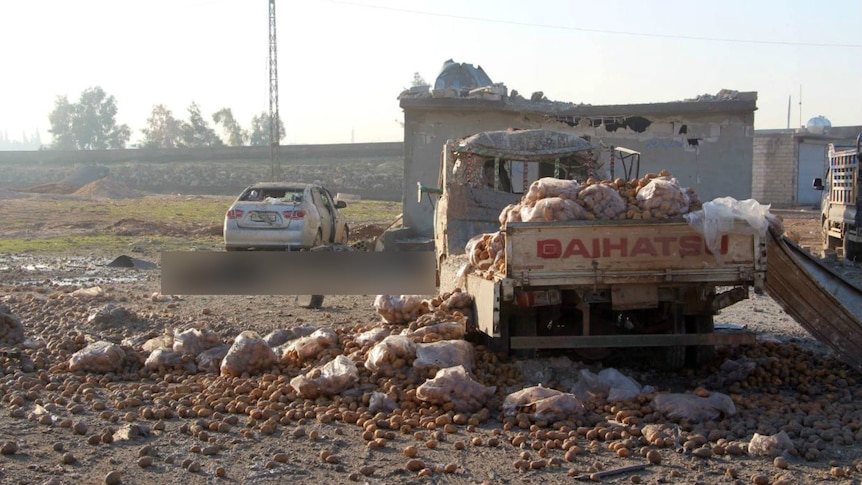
x: 774, y: 169
x: 706, y: 145
x: 776, y: 175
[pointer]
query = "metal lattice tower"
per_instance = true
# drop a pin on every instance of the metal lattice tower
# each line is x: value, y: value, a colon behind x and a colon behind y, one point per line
x: 274, y: 134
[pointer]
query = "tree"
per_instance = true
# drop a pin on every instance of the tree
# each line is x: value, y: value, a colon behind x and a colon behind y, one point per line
x: 259, y: 135
x: 197, y: 132
x: 89, y: 124
x: 232, y: 132
x: 163, y: 130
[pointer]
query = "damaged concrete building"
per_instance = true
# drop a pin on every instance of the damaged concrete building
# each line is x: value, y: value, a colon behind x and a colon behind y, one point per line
x: 705, y: 142
x: 795, y: 157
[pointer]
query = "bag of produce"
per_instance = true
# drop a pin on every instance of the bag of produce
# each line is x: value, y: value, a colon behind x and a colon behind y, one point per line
x: 553, y: 209
x: 542, y: 404
x: 663, y: 198
x: 99, y: 357
x: 447, y: 353
x: 310, y: 347
x: 602, y: 201
x: 166, y: 358
x: 455, y: 385
x: 194, y: 341
x: 552, y: 187
x: 399, y: 309
x: 330, y: 379
x: 393, y: 352
x: 249, y: 353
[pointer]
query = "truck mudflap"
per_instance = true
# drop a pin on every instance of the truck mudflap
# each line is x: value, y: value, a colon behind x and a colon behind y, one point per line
x: 826, y: 305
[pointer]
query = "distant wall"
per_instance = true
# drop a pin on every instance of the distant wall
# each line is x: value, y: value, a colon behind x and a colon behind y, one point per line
x: 774, y: 170
x: 785, y: 162
x: 371, y: 170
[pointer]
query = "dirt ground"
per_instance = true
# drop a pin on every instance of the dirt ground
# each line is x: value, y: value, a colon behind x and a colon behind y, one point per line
x: 138, y: 426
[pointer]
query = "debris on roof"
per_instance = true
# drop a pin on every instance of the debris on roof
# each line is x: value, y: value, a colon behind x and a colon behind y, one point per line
x: 723, y: 95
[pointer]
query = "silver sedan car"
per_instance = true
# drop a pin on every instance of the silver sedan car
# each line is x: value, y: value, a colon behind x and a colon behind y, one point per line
x: 284, y: 216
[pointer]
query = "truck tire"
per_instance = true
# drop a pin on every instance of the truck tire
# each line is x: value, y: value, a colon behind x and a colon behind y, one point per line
x: 829, y: 243
x: 309, y: 301
x: 700, y: 355
x: 674, y: 356
x: 851, y: 250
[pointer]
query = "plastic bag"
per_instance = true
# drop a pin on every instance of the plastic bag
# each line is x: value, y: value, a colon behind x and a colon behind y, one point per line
x: 553, y: 209
x: 194, y: 341
x: 210, y: 360
x: 310, y: 347
x: 249, y: 353
x: 663, y: 198
x: 718, y: 216
x: 91, y: 293
x: 282, y: 336
x: 167, y: 358
x: 694, y: 408
x: 455, y: 385
x: 773, y: 445
x: 552, y: 187
x: 99, y: 357
x: 609, y: 382
x: 602, y: 201
x: 447, y: 353
x: 330, y: 379
x: 391, y: 353
x: 370, y: 337
x: 380, y: 402
x: 542, y: 404
x: 399, y: 309
x: 438, y: 331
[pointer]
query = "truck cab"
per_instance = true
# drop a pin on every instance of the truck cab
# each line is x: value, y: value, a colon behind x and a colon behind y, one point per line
x: 841, y: 204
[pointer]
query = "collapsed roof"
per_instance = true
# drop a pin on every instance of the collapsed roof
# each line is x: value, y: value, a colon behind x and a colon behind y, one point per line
x: 524, y: 145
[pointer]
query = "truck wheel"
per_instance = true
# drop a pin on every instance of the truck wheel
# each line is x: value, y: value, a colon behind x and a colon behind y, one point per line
x: 674, y: 356
x: 851, y: 250
x: 309, y: 301
x: 700, y: 355
x: 828, y: 241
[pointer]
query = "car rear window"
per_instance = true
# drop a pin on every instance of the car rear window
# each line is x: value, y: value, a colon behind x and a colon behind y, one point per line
x: 286, y: 195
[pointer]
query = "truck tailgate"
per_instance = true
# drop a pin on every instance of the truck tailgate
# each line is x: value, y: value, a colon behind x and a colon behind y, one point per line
x: 628, y: 252
x: 818, y: 299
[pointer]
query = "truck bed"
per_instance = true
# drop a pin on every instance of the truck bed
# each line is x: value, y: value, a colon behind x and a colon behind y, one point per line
x: 622, y: 252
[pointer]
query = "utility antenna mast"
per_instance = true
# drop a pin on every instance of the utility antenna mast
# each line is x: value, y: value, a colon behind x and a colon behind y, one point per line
x: 274, y: 133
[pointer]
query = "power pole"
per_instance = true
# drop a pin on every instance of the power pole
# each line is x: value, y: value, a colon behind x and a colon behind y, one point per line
x: 274, y: 133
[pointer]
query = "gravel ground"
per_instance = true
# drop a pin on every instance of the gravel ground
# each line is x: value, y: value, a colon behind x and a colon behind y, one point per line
x: 134, y: 425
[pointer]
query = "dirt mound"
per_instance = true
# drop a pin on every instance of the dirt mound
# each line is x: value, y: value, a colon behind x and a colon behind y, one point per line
x: 108, y: 188
x: 363, y: 232
x: 52, y: 188
x: 136, y: 227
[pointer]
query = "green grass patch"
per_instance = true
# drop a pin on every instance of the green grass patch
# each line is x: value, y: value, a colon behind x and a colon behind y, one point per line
x: 88, y: 244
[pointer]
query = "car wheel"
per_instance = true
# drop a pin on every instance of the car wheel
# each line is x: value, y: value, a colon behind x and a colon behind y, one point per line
x: 346, y: 238
x: 318, y: 240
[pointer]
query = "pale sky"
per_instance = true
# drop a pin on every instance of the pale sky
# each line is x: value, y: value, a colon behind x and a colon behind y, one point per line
x: 342, y: 64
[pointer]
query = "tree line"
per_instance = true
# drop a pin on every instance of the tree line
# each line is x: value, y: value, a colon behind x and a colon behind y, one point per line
x: 91, y: 124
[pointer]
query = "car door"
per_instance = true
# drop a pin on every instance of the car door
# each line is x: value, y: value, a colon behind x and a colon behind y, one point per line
x: 325, y: 211
x: 337, y: 217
